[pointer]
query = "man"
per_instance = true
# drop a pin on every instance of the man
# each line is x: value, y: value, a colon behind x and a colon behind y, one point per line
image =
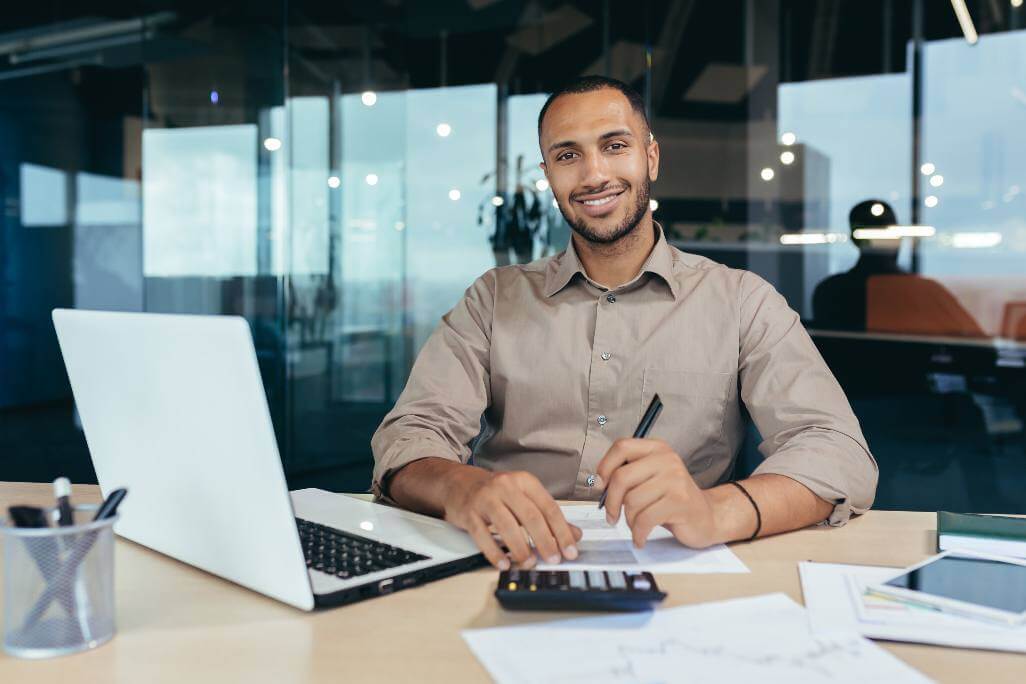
x: 839, y: 302
x: 877, y: 295
x: 562, y: 355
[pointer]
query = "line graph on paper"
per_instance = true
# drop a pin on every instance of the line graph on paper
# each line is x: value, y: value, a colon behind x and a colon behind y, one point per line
x: 673, y: 660
x: 763, y: 639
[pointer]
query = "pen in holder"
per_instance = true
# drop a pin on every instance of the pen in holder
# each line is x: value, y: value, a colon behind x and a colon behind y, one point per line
x: 59, y: 586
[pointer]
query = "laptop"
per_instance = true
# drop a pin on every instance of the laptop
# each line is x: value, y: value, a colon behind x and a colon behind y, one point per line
x: 173, y: 408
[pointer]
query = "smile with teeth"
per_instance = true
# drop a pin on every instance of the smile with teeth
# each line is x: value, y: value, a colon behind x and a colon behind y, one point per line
x: 600, y: 202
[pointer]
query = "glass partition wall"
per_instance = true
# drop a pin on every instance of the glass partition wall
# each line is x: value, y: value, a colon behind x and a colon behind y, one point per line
x: 339, y: 173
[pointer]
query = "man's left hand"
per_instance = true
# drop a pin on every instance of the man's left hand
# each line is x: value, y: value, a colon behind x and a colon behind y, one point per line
x: 649, y: 480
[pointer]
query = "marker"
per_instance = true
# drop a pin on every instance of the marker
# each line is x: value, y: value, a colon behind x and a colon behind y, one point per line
x: 647, y: 421
x: 27, y: 516
x: 62, y: 491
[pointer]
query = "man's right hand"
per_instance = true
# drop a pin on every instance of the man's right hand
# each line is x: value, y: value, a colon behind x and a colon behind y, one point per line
x: 514, y: 505
x: 519, y: 509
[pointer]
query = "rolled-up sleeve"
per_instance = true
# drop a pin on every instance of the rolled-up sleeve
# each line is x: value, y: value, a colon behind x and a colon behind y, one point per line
x: 439, y: 410
x: 810, y: 433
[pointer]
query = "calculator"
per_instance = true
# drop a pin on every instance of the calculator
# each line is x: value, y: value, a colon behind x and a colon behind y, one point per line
x: 610, y: 590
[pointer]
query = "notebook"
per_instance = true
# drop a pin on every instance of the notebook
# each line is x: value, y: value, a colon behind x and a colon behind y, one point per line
x: 996, y: 534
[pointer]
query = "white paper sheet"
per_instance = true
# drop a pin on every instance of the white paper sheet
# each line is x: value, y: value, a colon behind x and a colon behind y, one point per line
x: 833, y: 599
x: 610, y: 548
x: 764, y: 639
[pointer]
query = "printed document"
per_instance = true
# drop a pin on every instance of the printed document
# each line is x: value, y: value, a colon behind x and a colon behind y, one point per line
x: 605, y: 547
x: 764, y: 639
x: 834, y: 598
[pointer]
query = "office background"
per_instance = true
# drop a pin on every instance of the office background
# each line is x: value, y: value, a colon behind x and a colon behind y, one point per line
x: 339, y: 172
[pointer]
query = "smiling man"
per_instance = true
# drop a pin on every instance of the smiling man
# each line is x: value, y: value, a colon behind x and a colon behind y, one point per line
x: 561, y: 356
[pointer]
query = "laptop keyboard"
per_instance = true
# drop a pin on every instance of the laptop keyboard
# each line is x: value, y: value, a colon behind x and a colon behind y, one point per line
x: 347, y: 555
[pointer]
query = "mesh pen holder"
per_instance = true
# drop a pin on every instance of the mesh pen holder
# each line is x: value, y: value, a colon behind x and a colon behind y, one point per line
x: 58, y: 586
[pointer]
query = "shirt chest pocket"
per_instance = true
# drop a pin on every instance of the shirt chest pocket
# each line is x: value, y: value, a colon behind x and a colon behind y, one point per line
x: 692, y: 420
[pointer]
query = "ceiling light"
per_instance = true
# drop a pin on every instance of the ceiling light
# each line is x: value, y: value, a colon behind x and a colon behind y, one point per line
x: 653, y: 204
x: 927, y: 168
x: 334, y: 181
x: 272, y: 144
x: 937, y: 181
x: 787, y: 157
x: 497, y: 201
x: 810, y: 238
x: 975, y: 240
x: 877, y: 209
x: 541, y: 184
x: 893, y: 232
x: 443, y: 130
x: 788, y: 138
x: 767, y: 174
x: 454, y: 194
x: 369, y: 97
x: 930, y: 201
x: 371, y: 178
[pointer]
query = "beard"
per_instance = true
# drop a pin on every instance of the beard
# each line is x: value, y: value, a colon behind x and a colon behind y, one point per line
x: 629, y: 224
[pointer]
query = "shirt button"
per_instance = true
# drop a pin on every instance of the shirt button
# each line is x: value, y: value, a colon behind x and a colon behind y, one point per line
x: 602, y: 420
x: 590, y: 481
x: 605, y: 356
x: 611, y: 298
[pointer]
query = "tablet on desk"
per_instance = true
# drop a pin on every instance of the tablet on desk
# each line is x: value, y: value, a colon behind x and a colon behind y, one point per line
x: 969, y: 584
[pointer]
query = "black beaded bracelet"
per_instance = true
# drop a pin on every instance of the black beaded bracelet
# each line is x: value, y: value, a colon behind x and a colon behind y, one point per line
x: 758, y: 513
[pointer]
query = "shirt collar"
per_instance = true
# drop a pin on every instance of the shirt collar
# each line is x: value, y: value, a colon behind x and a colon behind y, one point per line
x: 564, y: 267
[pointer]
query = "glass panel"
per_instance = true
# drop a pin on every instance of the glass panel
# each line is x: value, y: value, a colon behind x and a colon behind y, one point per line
x: 339, y: 173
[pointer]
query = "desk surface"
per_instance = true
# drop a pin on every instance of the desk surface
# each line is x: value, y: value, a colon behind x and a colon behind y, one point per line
x: 176, y: 623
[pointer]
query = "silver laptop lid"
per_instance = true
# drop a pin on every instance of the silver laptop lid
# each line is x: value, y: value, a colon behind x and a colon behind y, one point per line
x: 173, y: 408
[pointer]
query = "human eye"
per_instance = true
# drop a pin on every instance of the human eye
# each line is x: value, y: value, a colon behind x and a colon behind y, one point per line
x: 565, y: 155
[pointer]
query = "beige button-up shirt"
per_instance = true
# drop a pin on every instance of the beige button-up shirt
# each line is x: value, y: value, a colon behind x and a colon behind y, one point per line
x: 560, y: 367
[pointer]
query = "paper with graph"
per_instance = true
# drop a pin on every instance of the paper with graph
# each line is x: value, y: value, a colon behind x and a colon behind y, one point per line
x: 764, y: 639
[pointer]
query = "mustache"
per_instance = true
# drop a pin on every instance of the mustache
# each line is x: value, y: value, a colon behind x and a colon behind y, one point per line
x: 578, y: 195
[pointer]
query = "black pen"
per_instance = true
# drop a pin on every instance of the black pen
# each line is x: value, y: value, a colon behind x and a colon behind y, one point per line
x: 62, y: 491
x: 110, y: 505
x: 647, y: 421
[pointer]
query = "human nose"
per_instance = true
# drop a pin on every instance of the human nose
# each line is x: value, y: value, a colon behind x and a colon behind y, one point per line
x: 595, y: 171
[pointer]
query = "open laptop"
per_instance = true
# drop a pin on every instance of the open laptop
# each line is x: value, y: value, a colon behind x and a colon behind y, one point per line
x: 173, y: 408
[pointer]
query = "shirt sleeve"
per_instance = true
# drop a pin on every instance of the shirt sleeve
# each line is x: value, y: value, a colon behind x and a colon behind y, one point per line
x: 439, y: 411
x: 810, y: 434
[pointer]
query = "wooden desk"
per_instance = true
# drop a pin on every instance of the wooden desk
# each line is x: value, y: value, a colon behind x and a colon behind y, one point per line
x: 178, y: 624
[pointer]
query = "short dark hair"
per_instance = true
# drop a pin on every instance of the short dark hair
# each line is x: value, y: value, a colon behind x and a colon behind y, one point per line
x: 862, y: 214
x: 587, y: 84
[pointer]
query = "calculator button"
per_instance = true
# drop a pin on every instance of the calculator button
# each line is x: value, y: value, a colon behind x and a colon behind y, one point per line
x: 597, y: 579
x: 577, y: 580
x: 617, y: 580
